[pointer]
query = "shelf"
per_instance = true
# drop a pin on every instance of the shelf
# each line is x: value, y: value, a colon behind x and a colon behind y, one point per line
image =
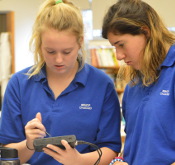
x: 120, y: 91
x: 105, y: 59
x: 110, y: 69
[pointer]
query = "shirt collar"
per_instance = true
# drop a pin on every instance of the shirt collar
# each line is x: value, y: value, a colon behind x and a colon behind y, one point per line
x: 41, y: 75
x: 82, y: 75
x: 170, y: 57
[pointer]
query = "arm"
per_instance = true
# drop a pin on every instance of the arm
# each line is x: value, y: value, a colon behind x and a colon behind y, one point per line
x: 71, y: 156
x: 34, y: 129
x: 117, y: 160
x: 23, y: 153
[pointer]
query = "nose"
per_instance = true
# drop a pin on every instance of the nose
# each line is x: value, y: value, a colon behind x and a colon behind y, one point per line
x: 58, y: 58
x: 120, y: 55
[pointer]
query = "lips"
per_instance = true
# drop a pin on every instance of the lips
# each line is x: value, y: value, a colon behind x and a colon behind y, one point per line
x: 128, y: 62
x: 59, y: 66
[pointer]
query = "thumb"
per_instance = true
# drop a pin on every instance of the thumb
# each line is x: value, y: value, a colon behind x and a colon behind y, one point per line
x: 39, y: 117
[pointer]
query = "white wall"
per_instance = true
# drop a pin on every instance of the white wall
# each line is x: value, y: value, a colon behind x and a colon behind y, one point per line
x: 165, y: 8
x: 25, y: 12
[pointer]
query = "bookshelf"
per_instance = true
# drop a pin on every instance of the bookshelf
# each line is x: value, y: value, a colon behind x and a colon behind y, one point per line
x: 103, y: 57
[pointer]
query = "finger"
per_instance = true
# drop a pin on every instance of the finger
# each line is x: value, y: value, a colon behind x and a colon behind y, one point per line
x: 66, y: 144
x: 36, y: 132
x: 35, y: 124
x: 39, y: 117
x: 35, y: 127
x: 56, y: 148
x: 36, y: 119
x: 51, y: 150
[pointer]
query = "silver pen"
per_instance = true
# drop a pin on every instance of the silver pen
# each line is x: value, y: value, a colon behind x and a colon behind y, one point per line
x: 48, y: 134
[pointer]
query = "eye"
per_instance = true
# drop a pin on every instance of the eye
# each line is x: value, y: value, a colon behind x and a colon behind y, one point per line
x: 66, y: 52
x: 51, y: 52
x: 121, y: 45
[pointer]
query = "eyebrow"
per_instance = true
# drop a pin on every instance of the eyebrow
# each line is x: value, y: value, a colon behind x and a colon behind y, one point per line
x: 47, y: 48
x: 115, y: 43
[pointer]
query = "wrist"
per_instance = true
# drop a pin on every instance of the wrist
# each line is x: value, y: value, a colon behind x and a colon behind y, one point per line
x: 119, y: 159
x: 29, y: 148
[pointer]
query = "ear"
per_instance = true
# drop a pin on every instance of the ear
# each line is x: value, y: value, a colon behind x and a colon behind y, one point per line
x: 146, y: 31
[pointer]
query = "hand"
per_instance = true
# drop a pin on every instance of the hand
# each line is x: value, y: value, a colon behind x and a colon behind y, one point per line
x: 69, y: 156
x: 34, y: 129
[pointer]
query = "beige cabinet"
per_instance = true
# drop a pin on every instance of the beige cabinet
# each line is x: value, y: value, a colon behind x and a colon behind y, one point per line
x: 7, y: 57
x: 7, y: 25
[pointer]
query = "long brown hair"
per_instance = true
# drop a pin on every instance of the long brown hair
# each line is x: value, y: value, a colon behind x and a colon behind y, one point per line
x: 132, y: 17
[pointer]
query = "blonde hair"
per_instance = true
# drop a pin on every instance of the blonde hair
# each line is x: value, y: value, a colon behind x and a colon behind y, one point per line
x: 62, y: 16
x: 132, y: 17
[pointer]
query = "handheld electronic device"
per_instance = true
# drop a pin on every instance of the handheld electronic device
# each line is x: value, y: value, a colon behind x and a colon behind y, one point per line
x: 39, y: 144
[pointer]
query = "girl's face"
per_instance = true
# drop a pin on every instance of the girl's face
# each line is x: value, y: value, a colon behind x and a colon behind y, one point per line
x: 60, y: 51
x: 129, y: 48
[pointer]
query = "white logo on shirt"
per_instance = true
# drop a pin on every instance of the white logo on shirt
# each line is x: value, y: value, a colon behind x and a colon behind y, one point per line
x: 165, y: 92
x: 85, y: 106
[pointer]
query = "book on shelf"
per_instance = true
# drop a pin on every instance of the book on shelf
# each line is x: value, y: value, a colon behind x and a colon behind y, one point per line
x: 103, y: 57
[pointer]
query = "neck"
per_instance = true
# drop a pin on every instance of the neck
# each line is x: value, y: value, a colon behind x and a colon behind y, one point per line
x: 59, y: 83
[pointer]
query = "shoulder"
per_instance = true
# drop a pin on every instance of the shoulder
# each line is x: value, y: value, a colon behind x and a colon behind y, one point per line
x: 97, y: 73
x: 21, y: 72
x: 169, y: 61
x: 19, y: 76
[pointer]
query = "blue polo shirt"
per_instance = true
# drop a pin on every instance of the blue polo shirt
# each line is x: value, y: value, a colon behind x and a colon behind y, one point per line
x: 150, y: 118
x: 88, y: 108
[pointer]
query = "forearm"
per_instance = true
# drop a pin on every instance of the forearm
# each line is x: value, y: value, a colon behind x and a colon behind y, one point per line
x: 91, y: 158
x: 23, y: 152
